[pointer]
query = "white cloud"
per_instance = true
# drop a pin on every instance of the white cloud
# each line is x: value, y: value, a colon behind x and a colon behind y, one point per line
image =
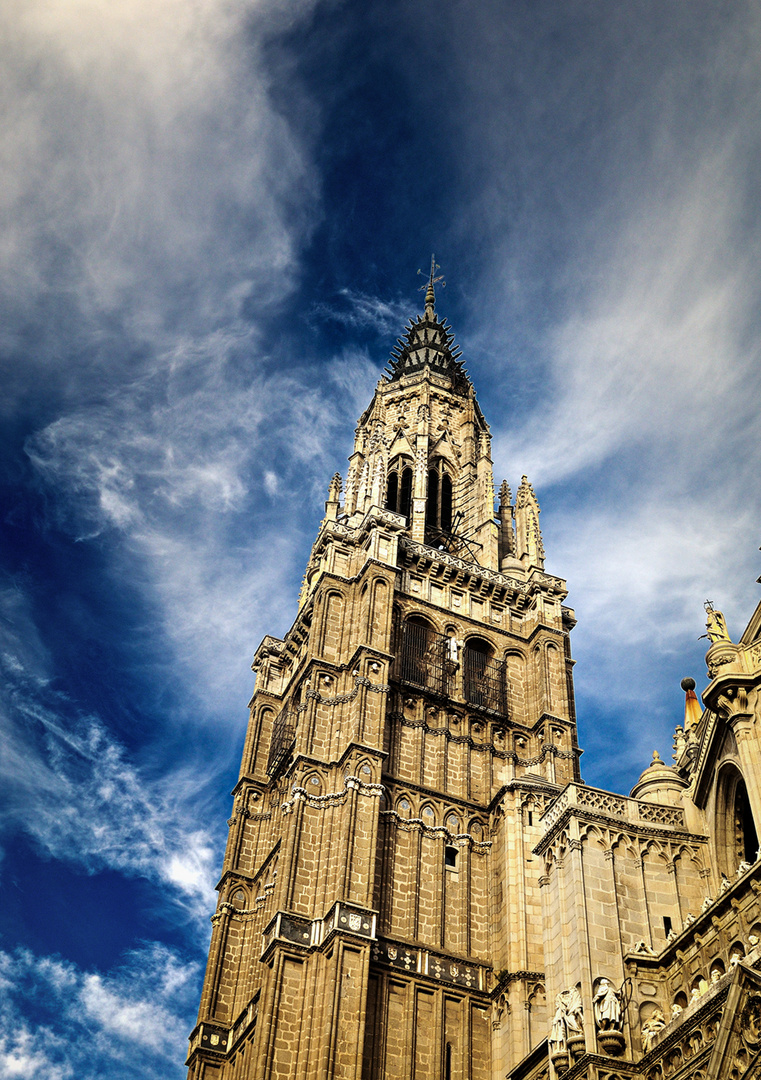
x: 74, y: 790
x: 642, y: 439
x: 59, y: 1021
x: 147, y: 172
x: 179, y: 479
x: 365, y: 311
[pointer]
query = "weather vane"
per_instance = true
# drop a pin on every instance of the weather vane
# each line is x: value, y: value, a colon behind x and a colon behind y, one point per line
x: 433, y: 280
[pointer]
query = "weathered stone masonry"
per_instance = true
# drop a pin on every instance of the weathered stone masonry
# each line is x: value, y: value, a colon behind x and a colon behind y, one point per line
x: 417, y: 883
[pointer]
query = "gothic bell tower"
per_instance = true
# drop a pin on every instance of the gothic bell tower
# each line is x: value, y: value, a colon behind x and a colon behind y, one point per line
x: 379, y: 909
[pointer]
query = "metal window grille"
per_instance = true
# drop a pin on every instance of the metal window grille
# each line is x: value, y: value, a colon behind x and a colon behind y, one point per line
x: 422, y: 660
x: 283, y: 739
x: 484, y: 681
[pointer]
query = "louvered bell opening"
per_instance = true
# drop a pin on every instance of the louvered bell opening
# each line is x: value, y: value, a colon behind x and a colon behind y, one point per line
x: 484, y: 680
x: 422, y: 659
x: 283, y: 740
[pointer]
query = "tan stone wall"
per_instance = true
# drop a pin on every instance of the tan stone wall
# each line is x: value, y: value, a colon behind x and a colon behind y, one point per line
x: 309, y: 838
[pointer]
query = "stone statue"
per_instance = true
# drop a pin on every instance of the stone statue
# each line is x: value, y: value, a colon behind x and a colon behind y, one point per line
x: 607, y: 1007
x: 652, y: 1027
x: 676, y: 1011
x: 453, y: 650
x: 557, y: 1039
x: 575, y: 1014
x: 680, y: 742
x: 715, y: 624
x: 568, y: 1021
x: 743, y: 868
x: 725, y: 883
x: 735, y: 959
x: 707, y: 903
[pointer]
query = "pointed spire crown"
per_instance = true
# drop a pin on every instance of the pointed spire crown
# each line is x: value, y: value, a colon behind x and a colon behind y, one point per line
x: 430, y: 341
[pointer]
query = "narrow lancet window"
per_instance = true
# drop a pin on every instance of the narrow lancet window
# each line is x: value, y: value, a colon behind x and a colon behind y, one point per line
x: 446, y: 503
x: 438, y: 507
x: 392, y: 494
x: 399, y: 489
x: 405, y: 498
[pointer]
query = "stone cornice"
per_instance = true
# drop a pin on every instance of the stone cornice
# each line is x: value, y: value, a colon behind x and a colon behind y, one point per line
x: 537, y: 580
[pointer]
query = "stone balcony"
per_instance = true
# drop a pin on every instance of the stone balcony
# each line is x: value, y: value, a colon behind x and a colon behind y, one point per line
x: 594, y: 800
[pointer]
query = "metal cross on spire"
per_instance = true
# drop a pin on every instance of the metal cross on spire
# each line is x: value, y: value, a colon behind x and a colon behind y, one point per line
x: 430, y: 296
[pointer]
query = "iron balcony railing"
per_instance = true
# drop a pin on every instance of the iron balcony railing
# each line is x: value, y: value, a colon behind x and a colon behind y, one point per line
x: 484, y: 681
x: 283, y: 740
x: 423, y: 658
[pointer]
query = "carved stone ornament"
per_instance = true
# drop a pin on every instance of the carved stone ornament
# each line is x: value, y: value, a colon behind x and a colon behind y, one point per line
x: 751, y: 1021
x: 652, y: 1028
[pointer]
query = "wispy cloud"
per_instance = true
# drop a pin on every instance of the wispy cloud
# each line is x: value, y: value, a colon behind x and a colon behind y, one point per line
x: 70, y: 786
x: 187, y: 474
x: 59, y: 1021
x: 362, y: 311
x: 661, y: 344
x: 149, y: 179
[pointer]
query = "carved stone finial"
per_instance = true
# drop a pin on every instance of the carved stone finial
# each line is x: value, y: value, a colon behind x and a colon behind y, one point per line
x: 529, y: 546
x: 525, y: 494
x: 335, y: 488
x: 430, y: 295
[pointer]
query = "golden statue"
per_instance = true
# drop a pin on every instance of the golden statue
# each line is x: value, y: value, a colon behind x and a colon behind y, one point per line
x: 715, y: 624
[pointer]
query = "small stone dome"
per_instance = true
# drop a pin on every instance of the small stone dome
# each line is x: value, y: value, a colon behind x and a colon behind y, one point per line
x: 659, y: 783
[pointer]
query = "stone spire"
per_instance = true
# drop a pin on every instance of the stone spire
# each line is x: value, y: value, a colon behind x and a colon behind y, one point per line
x: 429, y: 341
x: 334, y: 498
x: 692, y: 709
x: 506, y: 517
x: 529, y: 546
x: 430, y: 295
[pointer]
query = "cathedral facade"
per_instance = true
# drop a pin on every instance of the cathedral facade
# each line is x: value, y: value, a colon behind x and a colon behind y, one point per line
x: 417, y: 883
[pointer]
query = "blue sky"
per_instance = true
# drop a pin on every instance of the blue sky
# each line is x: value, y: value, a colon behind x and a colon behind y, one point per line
x: 212, y: 218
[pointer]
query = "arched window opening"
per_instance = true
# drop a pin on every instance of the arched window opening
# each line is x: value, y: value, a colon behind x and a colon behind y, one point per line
x: 484, y: 677
x: 446, y: 503
x: 745, y: 828
x: 399, y: 488
x: 737, y: 839
x: 450, y: 857
x: 432, y: 502
x: 438, y: 506
x: 405, y: 496
x: 423, y: 655
x: 392, y: 492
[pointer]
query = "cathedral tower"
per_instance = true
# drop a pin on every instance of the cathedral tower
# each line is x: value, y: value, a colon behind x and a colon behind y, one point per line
x: 379, y: 908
